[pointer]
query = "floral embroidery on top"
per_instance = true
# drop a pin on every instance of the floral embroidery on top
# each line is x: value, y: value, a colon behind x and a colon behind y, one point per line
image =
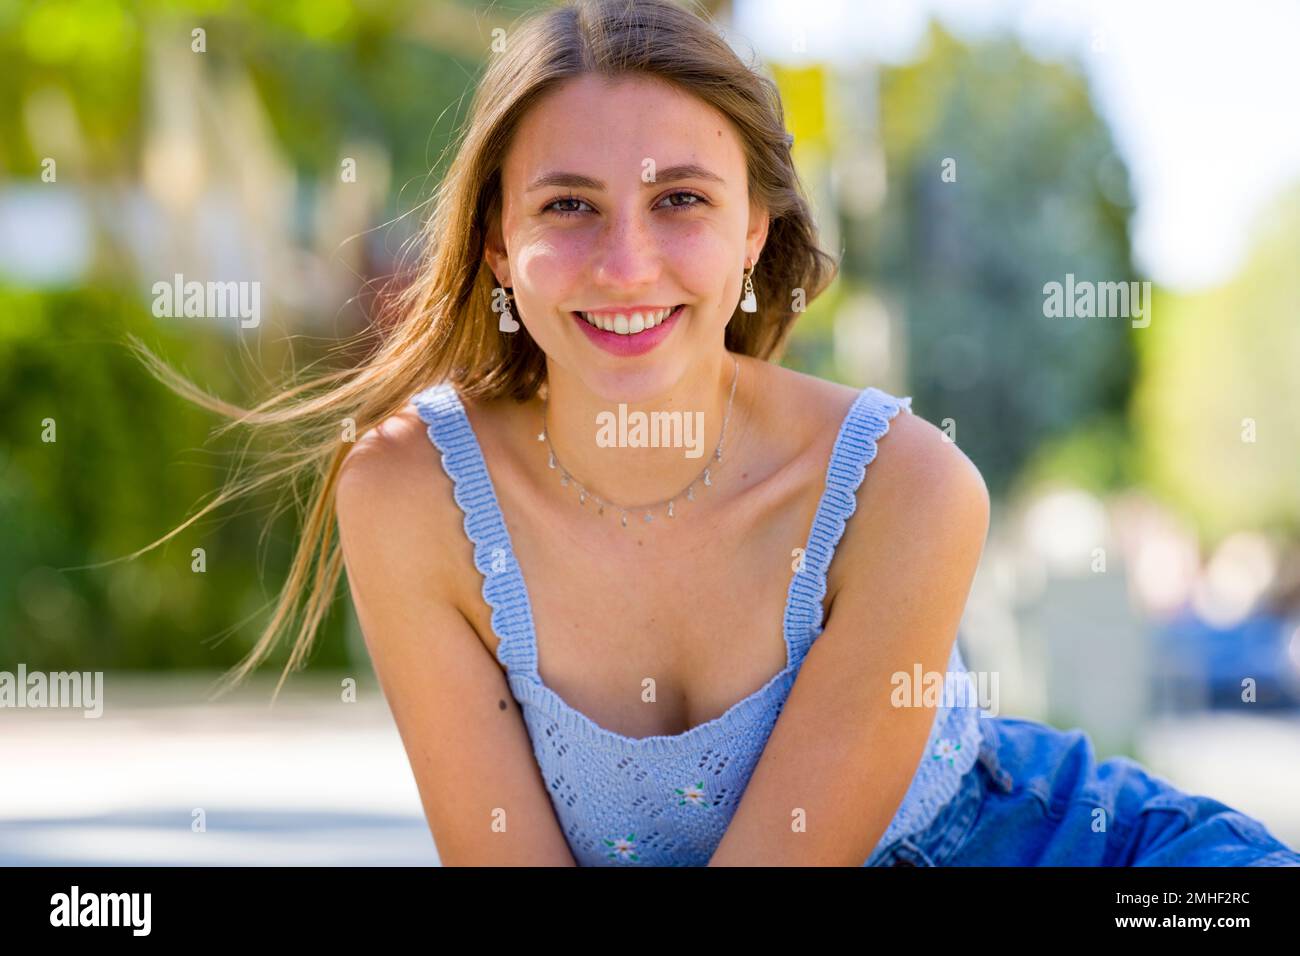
x: 623, y: 848
x: 693, y: 794
x: 946, y: 748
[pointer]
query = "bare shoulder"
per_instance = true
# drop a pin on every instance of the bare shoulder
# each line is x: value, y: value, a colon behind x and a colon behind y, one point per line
x: 394, y: 502
x: 921, y: 495
x: 915, y: 463
x: 389, y: 451
x: 914, y: 459
x: 390, y: 468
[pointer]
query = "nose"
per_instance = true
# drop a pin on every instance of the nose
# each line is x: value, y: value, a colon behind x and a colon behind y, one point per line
x: 628, y: 253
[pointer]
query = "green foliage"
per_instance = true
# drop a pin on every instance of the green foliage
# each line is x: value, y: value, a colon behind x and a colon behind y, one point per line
x: 1099, y: 457
x: 126, y: 467
x: 129, y: 464
x: 1215, y: 366
x: 1039, y: 193
x: 328, y: 72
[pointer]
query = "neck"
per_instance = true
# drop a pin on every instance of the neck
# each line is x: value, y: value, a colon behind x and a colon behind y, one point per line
x: 610, y: 447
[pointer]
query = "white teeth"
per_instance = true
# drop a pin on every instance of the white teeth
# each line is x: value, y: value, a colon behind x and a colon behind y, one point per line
x: 629, y: 324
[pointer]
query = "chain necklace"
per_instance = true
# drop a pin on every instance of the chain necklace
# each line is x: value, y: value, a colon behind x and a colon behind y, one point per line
x: 689, y: 491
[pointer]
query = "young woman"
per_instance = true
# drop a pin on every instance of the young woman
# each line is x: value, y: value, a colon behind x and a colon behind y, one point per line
x: 605, y: 643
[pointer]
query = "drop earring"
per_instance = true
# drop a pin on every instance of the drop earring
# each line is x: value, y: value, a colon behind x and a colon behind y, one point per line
x: 749, y: 303
x: 501, y: 299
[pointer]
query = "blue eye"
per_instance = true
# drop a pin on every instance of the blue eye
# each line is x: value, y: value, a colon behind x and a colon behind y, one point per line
x: 699, y: 200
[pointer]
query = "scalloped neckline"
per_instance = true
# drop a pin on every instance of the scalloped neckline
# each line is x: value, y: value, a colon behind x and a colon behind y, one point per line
x: 746, y: 704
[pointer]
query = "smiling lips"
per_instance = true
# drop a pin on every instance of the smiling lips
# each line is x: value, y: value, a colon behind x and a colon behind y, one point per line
x: 627, y: 323
x: 633, y: 331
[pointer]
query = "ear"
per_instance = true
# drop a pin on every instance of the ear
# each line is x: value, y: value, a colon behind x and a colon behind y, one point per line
x: 756, y: 236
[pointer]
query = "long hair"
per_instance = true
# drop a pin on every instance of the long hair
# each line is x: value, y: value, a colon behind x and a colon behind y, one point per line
x: 441, y: 327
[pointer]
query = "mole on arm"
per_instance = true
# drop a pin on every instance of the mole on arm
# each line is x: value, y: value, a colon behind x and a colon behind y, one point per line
x: 501, y: 704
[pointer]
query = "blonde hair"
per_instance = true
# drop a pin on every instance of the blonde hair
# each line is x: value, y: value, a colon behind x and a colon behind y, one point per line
x: 442, y: 327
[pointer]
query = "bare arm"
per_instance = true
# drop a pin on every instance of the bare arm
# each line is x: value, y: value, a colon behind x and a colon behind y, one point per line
x: 482, y: 793
x: 911, y: 550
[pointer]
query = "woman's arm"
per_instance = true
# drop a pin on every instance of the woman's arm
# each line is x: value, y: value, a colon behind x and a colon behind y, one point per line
x: 841, y: 756
x: 483, y: 797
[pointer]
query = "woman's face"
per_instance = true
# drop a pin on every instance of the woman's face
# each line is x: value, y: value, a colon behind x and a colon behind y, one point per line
x: 619, y: 194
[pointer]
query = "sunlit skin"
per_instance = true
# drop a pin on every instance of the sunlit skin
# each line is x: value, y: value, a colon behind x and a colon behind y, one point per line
x: 582, y: 247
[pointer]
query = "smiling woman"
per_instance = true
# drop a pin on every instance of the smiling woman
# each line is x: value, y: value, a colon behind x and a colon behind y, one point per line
x: 710, y: 682
x: 666, y: 220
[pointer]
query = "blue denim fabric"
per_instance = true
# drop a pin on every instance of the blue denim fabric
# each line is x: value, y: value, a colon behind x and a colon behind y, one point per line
x: 1037, y: 797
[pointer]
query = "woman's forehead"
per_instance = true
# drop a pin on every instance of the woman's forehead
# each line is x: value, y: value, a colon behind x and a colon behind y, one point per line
x: 607, y: 122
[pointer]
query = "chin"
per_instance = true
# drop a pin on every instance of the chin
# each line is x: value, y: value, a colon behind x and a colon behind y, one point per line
x: 634, y: 382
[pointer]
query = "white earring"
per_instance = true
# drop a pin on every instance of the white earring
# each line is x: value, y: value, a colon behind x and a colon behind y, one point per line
x: 749, y: 303
x: 501, y: 300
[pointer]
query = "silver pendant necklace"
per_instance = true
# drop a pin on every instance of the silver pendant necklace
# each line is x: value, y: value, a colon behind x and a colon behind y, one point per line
x: 688, y: 492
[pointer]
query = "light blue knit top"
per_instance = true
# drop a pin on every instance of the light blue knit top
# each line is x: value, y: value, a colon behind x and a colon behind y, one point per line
x: 667, y: 800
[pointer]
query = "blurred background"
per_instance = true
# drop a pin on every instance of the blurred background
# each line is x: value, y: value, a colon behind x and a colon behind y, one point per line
x: 1142, y: 576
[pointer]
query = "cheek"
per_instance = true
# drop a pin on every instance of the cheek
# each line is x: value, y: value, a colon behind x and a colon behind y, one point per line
x: 549, y: 269
x: 553, y: 260
x: 697, y: 256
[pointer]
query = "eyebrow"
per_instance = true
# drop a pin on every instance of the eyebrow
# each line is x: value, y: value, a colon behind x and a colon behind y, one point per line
x: 669, y: 174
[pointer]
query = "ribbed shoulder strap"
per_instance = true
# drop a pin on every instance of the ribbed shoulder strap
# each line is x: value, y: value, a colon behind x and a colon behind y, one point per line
x: 867, y: 421
x: 449, y: 429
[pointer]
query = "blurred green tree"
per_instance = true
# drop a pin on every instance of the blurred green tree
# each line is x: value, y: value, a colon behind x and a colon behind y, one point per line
x: 128, y: 463
x: 1001, y: 177
x: 131, y: 461
x: 1217, y: 407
